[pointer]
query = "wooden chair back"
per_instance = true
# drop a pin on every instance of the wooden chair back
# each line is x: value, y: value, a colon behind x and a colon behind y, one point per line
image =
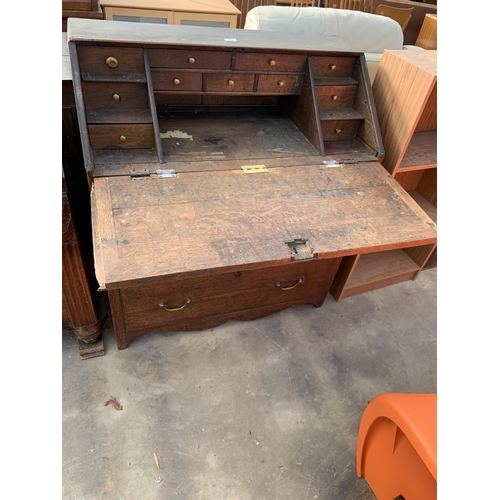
x: 401, y: 15
x: 361, y: 5
x: 302, y: 3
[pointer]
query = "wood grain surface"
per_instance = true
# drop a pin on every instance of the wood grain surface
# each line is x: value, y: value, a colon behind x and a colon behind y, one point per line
x: 212, y: 221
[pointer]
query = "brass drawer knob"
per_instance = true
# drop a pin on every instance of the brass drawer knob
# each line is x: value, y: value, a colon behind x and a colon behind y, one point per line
x: 298, y: 281
x: 123, y: 138
x: 272, y: 62
x: 116, y: 97
x: 230, y: 82
x: 335, y: 97
x: 177, y: 81
x: 280, y: 83
x: 338, y: 131
x: 192, y: 60
x: 332, y: 66
x: 163, y: 304
x: 112, y: 62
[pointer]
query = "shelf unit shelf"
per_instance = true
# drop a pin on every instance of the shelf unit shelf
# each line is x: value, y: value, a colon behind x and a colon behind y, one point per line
x: 421, y: 152
x: 363, y: 273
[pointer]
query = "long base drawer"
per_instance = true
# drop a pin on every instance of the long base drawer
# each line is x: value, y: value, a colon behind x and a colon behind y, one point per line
x: 198, y: 303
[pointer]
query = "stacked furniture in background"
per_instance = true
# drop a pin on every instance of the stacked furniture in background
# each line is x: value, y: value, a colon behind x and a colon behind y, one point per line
x: 89, y: 9
x: 417, y: 16
x: 244, y: 6
x: 366, y: 32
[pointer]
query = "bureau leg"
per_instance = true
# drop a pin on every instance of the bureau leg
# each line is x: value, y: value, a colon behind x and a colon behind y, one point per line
x: 90, y: 341
x: 122, y: 344
x: 115, y: 304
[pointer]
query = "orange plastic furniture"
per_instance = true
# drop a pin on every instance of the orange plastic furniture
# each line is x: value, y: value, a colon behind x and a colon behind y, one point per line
x: 396, y: 450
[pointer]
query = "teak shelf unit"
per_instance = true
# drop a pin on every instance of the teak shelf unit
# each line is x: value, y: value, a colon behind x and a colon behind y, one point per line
x: 234, y: 173
x: 405, y: 94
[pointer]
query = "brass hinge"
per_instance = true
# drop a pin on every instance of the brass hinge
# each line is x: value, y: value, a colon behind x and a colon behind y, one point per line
x: 254, y: 169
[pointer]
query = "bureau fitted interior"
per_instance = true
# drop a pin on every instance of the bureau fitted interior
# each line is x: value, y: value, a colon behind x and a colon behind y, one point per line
x: 150, y: 107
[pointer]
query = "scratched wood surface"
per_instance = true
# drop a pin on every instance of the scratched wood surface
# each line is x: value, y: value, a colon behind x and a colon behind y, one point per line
x: 203, y: 222
x: 228, y: 135
x: 150, y: 35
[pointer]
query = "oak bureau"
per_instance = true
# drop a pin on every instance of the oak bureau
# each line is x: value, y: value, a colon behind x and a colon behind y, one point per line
x: 234, y: 173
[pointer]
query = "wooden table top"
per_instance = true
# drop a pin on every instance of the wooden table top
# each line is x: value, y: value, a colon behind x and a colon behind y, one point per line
x: 204, y: 6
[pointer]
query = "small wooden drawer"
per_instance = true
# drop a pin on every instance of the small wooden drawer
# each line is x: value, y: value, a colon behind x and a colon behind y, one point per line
x: 189, y: 59
x: 283, y: 84
x: 340, y: 130
x: 121, y: 136
x: 115, y: 95
x: 270, y: 62
x: 230, y: 82
x: 336, y: 96
x: 175, y: 301
x: 176, y: 80
x: 333, y: 66
x: 110, y: 60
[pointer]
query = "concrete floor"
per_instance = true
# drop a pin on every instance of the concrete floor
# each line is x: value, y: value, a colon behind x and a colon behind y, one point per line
x: 267, y: 409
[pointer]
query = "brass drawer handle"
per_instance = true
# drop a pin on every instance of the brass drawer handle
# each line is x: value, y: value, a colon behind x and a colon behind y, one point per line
x: 163, y: 305
x: 335, y: 97
x: 332, y: 66
x: 298, y: 281
x: 177, y: 81
x: 280, y: 83
x: 192, y: 60
x: 116, y: 97
x: 230, y: 82
x: 272, y: 62
x: 123, y: 138
x: 112, y: 62
x: 338, y: 131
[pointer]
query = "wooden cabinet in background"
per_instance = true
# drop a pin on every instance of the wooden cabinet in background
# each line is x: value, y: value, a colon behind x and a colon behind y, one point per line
x: 405, y: 94
x: 214, y: 13
x: 80, y: 311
